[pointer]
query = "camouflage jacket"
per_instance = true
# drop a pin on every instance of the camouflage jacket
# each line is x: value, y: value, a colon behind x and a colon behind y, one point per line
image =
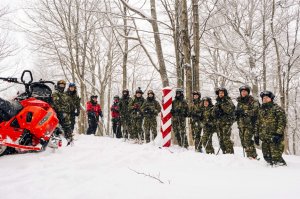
x: 246, y: 111
x: 135, y: 105
x: 224, y: 110
x: 61, y: 102
x: 180, y: 108
x: 196, y: 110
x: 124, y: 106
x: 150, y: 108
x: 74, y: 101
x: 208, y: 116
x: 271, y: 120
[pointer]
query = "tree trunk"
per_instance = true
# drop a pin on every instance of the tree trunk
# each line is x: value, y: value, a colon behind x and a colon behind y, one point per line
x: 264, y: 47
x: 196, y: 40
x: 186, y: 50
x: 108, y: 128
x: 179, y: 68
x: 158, y: 47
x: 187, y: 59
x: 125, y: 52
x: 279, y: 75
x: 83, y: 115
x: 296, y: 122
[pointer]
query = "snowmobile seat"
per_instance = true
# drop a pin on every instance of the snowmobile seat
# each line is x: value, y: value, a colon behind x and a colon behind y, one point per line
x: 9, y: 109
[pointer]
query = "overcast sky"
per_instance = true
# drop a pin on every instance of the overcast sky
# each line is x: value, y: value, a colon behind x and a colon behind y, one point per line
x: 22, y: 58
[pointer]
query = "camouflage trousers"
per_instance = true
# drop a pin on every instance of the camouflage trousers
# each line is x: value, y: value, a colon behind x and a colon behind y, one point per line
x: 150, y: 125
x: 224, y: 133
x: 137, y: 128
x: 65, y: 122
x: 178, y: 125
x: 273, y: 152
x: 73, y: 121
x: 196, y: 132
x: 246, y: 136
x: 125, y: 124
x: 207, y: 140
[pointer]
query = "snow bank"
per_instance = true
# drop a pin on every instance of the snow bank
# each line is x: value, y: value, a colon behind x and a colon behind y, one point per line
x: 102, y: 167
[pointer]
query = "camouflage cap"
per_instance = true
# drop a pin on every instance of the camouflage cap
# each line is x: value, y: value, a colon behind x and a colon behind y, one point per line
x: 267, y: 93
x: 221, y: 89
x: 246, y: 88
x: 61, y: 82
x: 197, y: 93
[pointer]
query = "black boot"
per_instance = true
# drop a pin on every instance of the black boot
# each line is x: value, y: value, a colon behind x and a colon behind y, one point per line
x: 26, y: 138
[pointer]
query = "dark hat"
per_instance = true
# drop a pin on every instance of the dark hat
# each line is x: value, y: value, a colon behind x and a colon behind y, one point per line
x: 267, y: 93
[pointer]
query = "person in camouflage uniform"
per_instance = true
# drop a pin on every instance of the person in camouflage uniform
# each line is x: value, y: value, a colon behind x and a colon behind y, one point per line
x: 124, y: 112
x: 224, y: 110
x: 209, y: 125
x: 62, y: 107
x: 75, y: 103
x: 180, y: 111
x: 196, y: 120
x: 137, y: 115
x: 150, y: 110
x: 270, y: 126
x: 246, y: 115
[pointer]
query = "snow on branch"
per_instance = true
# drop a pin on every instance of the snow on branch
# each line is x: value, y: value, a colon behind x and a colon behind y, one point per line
x: 227, y: 77
x: 139, y: 12
x: 150, y: 176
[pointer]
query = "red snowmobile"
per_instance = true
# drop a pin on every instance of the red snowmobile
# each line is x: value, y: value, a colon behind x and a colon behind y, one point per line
x: 28, y: 123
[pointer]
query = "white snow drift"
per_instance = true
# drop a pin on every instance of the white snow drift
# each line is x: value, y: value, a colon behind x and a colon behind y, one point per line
x: 102, y: 167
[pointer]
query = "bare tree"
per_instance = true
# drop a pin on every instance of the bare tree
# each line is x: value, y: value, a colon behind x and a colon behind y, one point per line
x: 160, y: 56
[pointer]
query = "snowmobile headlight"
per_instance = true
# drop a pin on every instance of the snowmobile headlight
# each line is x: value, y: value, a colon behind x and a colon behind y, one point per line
x: 45, y: 118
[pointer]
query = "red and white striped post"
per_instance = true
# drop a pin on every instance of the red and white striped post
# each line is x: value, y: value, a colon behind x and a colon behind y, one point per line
x: 166, y: 116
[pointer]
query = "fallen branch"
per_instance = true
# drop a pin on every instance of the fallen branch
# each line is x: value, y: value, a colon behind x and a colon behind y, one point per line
x: 148, y: 175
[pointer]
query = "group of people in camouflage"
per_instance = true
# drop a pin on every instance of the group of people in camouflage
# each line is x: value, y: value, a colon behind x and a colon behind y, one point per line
x: 136, y: 115
x: 256, y: 123
x: 67, y: 107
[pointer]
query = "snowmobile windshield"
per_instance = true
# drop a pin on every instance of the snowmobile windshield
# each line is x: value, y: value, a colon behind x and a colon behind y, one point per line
x: 39, y: 91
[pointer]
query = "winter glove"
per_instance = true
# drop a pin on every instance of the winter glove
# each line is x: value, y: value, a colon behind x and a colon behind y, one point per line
x: 175, y: 112
x: 91, y: 114
x: 219, y: 113
x: 136, y: 106
x: 208, y: 126
x: 276, y: 139
x: 172, y: 111
x: 148, y: 111
x: 197, y: 115
x: 113, y: 109
x: 60, y: 115
x: 239, y: 112
x: 256, y: 139
x: 185, y: 114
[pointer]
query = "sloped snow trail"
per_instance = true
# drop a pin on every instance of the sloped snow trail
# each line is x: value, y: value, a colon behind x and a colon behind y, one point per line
x: 102, y: 167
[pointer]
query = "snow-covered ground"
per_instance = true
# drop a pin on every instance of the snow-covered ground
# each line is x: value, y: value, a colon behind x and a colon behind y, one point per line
x: 103, y: 167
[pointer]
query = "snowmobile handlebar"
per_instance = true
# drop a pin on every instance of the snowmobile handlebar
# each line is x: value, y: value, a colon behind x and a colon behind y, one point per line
x: 23, y: 81
x: 10, y: 79
x: 27, y: 81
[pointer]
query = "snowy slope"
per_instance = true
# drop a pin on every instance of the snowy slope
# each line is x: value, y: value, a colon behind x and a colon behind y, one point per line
x: 102, y: 167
